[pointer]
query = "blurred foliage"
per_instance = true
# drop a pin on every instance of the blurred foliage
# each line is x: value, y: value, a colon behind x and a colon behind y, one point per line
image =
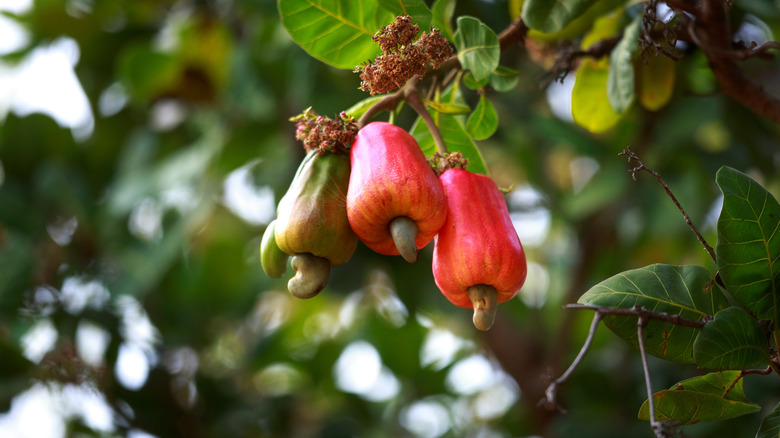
x: 191, y: 101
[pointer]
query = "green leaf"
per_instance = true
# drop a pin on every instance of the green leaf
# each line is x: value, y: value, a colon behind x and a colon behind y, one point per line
x: 687, y: 291
x: 748, y: 249
x: 712, y: 397
x: 770, y: 426
x: 478, y: 49
x: 483, y: 121
x: 337, y: 32
x: 442, y: 11
x: 362, y: 106
x: 579, y: 25
x: 620, y: 83
x: 732, y: 341
x: 503, y: 79
x: 551, y: 16
x: 470, y: 82
x: 416, y: 9
x: 590, y: 107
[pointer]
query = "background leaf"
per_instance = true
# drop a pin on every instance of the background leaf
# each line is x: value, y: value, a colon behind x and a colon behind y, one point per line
x: 748, y: 249
x: 551, y: 16
x: 732, y: 341
x: 620, y: 84
x: 656, y: 81
x: 770, y: 426
x: 483, y: 121
x: 416, y: 9
x: 679, y: 290
x: 712, y: 397
x: 442, y: 12
x: 478, y: 49
x: 590, y: 106
x: 337, y: 32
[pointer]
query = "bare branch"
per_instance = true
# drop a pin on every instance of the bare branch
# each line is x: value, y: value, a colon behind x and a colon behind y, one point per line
x: 640, y: 167
x: 550, y: 401
x: 658, y: 427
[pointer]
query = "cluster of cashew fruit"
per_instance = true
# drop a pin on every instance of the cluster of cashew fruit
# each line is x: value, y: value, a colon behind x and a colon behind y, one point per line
x: 396, y: 205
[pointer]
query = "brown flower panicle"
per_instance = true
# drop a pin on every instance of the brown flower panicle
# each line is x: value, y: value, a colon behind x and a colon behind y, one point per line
x: 401, y: 57
x: 325, y: 134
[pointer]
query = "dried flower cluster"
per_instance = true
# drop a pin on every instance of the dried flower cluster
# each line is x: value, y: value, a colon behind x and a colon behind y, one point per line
x: 401, y: 57
x: 441, y: 162
x: 322, y: 133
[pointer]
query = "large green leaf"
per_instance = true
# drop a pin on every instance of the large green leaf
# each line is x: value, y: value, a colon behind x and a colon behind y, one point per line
x: 748, y: 249
x: 551, y: 16
x: 732, y: 341
x: 337, y: 32
x: 416, y: 9
x: 687, y: 291
x: 478, y: 49
x: 620, y: 83
x: 712, y: 397
x: 770, y: 426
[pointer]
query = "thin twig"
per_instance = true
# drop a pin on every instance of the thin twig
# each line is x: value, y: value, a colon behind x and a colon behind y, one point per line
x: 655, y: 425
x: 550, y: 401
x: 412, y: 97
x: 627, y: 152
x: 644, y: 313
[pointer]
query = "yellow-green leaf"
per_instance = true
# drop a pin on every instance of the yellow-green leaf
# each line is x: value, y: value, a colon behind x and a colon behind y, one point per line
x: 590, y: 107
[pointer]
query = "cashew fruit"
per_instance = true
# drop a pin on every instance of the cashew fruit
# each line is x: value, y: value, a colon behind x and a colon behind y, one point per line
x: 312, y: 221
x: 478, y: 260
x: 395, y: 203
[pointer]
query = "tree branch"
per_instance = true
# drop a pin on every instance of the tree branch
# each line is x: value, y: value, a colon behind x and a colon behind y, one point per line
x: 712, y: 34
x: 627, y: 152
x: 639, y: 311
x: 386, y: 103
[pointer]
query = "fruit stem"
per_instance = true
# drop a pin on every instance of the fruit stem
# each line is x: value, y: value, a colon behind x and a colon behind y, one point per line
x: 404, y: 232
x: 311, y: 276
x: 412, y: 97
x: 484, y: 298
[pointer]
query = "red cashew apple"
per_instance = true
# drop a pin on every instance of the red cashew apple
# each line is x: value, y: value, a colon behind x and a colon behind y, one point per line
x: 478, y: 260
x: 395, y: 203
